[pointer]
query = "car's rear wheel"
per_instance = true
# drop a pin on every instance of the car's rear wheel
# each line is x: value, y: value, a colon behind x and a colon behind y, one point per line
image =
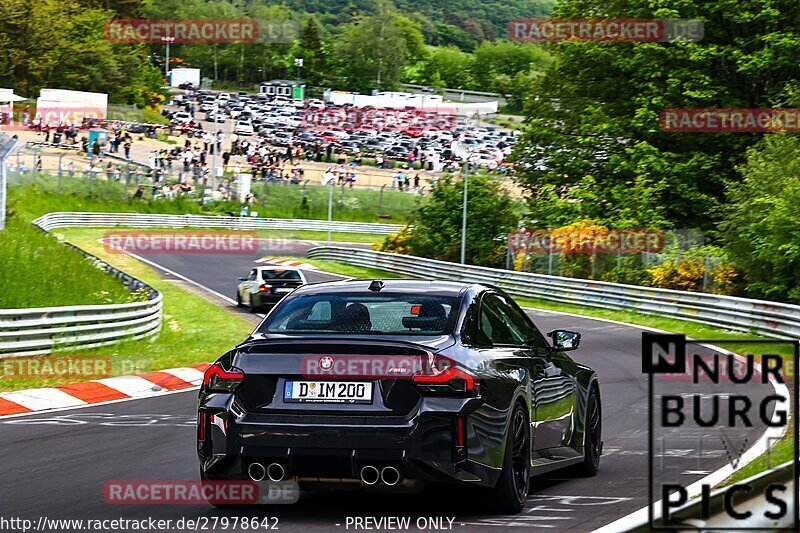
x: 592, y: 436
x: 511, y: 490
x: 250, y: 305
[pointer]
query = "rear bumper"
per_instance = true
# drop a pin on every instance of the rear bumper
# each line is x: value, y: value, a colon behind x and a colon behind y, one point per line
x: 421, y: 447
x: 261, y: 299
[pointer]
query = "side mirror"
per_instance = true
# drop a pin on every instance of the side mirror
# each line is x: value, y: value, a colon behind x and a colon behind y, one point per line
x: 242, y: 278
x: 564, y: 340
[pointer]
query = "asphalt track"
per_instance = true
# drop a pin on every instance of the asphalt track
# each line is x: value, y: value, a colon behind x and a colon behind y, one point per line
x: 56, y: 465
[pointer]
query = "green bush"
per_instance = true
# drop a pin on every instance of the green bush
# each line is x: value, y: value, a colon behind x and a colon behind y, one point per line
x: 761, y: 229
x: 491, y: 214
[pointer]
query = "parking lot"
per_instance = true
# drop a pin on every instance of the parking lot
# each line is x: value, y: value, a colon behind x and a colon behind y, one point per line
x: 418, y: 138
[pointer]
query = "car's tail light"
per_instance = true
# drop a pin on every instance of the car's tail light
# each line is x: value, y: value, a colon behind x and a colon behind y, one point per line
x: 201, y: 426
x: 460, y: 439
x: 264, y: 287
x: 443, y: 375
x: 217, y: 379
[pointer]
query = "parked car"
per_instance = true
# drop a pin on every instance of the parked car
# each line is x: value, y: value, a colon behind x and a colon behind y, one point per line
x: 243, y: 128
x: 182, y: 117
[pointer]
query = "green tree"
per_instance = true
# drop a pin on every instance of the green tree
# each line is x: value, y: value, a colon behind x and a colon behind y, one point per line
x: 123, y: 9
x: 73, y: 54
x: 447, y: 34
x: 311, y: 50
x: 448, y: 66
x: 373, y: 52
x: 761, y: 228
x: 502, y: 60
x: 490, y: 216
x: 593, y: 145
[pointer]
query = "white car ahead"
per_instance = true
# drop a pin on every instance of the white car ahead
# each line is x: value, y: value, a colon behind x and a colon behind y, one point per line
x: 267, y: 285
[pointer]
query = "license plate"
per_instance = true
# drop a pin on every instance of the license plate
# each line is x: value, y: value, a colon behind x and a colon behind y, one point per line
x: 328, y: 391
x: 283, y: 290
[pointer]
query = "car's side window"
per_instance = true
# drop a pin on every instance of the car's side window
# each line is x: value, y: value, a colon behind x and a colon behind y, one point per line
x: 492, y: 326
x: 253, y: 274
x: 523, y: 330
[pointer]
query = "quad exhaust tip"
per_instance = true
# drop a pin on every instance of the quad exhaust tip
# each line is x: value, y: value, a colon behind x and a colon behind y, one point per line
x: 390, y: 476
x: 370, y: 475
x: 256, y: 471
x: 276, y: 472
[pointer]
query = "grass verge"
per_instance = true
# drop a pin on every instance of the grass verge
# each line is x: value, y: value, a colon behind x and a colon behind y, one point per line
x: 274, y: 201
x: 38, y: 271
x: 194, y: 330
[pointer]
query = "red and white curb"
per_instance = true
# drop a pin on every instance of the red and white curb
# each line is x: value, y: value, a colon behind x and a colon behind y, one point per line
x: 101, y: 390
x: 286, y: 262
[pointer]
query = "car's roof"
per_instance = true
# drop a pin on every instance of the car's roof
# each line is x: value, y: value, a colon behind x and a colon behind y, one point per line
x: 276, y: 267
x: 430, y: 287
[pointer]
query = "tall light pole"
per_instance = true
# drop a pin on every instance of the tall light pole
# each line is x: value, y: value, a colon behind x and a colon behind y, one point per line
x: 214, y: 148
x: 464, y: 212
x: 167, y: 39
x: 330, y: 208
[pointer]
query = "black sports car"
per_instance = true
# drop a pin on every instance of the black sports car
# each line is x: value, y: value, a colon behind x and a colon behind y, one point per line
x: 395, y: 384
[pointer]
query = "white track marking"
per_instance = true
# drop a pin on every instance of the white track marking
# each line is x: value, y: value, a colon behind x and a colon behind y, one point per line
x: 98, y: 404
x: 37, y: 399
x: 132, y: 386
x: 190, y: 375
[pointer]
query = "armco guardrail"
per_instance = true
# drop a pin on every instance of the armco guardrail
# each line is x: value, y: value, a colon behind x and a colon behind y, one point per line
x: 138, y: 220
x: 738, y: 314
x: 41, y: 330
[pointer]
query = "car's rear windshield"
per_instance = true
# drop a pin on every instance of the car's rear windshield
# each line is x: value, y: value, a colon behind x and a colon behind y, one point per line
x: 280, y: 274
x: 379, y: 314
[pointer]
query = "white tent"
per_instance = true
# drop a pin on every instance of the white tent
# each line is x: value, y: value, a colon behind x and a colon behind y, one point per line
x: 57, y: 105
x: 7, y: 99
x: 7, y: 96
